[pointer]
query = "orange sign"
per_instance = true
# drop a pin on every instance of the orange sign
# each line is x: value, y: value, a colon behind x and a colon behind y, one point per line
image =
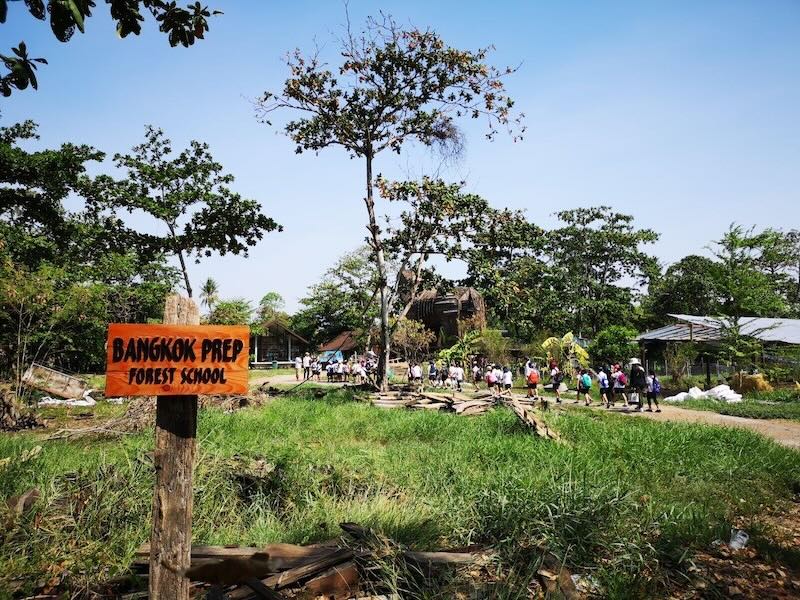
x: 168, y: 360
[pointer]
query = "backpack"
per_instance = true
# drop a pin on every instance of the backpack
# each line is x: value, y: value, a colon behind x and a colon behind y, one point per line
x: 623, y: 379
x: 656, y: 385
x: 533, y: 377
x: 586, y: 380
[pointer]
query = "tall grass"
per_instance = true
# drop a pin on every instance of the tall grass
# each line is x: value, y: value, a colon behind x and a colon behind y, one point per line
x: 626, y: 499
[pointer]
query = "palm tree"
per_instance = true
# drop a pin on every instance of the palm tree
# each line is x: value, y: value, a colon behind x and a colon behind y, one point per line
x: 209, y: 294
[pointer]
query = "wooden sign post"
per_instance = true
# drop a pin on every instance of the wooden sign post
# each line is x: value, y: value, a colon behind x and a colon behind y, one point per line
x: 175, y: 362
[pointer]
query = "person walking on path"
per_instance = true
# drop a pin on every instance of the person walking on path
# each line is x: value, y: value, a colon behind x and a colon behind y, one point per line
x: 618, y: 387
x: 307, y: 366
x: 298, y: 367
x: 585, y: 386
x: 508, y: 380
x: 638, y: 382
x: 653, y: 390
x: 602, y: 382
x: 556, y: 377
x: 532, y: 378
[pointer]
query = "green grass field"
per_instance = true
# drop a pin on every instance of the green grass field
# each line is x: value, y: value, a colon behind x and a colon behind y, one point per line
x: 623, y: 499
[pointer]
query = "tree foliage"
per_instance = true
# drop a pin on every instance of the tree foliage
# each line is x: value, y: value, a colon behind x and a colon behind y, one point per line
x: 613, y: 344
x: 393, y: 85
x: 181, y: 25
x: 691, y: 286
x: 343, y: 300
x: 745, y: 288
x: 189, y: 193
x: 236, y: 311
x: 412, y: 339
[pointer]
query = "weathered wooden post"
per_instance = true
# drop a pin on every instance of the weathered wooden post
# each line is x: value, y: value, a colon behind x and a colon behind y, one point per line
x: 175, y: 362
x: 176, y: 442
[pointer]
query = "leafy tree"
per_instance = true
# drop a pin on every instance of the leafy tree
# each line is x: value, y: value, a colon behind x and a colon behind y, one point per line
x: 745, y: 289
x: 506, y: 263
x: 345, y: 299
x: 189, y: 194
x: 90, y: 269
x: 237, y: 311
x: 209, y: 293
x: 270, y: 307
x: 182, y: 26
x: 494, y: 346
x: 412, y: 338
x: 592, y: 255
x: 613, y: 344
x: 779, y: 259
x: 690, y: 286
x: 393, y: 86
x: 566, y: 351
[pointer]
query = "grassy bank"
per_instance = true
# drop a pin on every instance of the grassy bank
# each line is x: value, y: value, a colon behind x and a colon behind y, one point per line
x: 623, y: 499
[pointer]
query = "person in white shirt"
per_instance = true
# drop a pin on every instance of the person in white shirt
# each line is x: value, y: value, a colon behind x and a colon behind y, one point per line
x: 298, y: 366
x: 602, y: 380
x: 307, y: 366
x: 508, y: 379
x: 459, y: 373
x: 416, y: 373
x: 476, y: 375
x: 498, y: 378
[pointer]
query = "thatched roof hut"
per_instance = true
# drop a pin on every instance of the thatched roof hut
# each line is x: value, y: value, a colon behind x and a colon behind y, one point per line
x: 446, y: 312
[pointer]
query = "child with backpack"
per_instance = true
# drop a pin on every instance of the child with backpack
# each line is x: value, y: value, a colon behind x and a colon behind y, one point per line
x: 585, y: 386
x: 533, y: 382
x: 653, y: 390
x: 618, y: 387
x: 556, y: 377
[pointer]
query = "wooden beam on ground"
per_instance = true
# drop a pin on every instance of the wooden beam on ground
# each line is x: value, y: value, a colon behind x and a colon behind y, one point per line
x: 532, y: 421
x: 175, y: 448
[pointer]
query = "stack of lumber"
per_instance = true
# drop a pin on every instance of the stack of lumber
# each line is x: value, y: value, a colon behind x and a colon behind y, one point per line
x: 453, y: 401
x: 337, y: 569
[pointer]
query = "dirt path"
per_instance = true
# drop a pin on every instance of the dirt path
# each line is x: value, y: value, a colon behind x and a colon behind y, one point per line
x: 783, y: 431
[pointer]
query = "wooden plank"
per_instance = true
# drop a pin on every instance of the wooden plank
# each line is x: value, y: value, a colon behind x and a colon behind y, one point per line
x: 53, y: 382
x: 175, y: 448
x: 281, y: 556
x: 171, y: 359
x: 460, y: 408
x: 292, y: 576
x: 450, y: 558
x: 340, y: 582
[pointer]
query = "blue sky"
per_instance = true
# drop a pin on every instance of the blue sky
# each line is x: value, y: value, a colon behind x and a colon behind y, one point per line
x: 684, y: 114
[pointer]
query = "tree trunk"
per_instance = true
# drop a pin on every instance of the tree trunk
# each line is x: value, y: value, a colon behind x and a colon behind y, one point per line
x: 185, y: 272
x: 380, y: 260
x: 176, y: 430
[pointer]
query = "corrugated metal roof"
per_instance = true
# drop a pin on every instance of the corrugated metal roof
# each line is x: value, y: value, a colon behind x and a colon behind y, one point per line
x: 680, y: 332
x: 702, y: 328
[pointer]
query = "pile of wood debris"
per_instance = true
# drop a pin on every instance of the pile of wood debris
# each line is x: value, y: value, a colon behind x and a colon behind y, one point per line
x: 344, y: 568
x: 13, y: 417
x: 462, y: 404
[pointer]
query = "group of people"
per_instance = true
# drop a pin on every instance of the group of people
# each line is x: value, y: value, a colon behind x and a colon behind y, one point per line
x: 612, y: 381
x: 634, y: 387
x: 355, y: 370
